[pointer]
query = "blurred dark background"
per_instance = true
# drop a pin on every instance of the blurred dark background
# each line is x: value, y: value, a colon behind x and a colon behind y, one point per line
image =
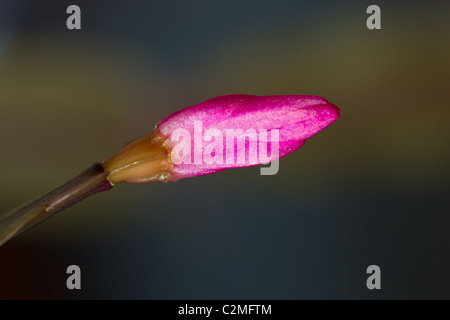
x: 371, y: 189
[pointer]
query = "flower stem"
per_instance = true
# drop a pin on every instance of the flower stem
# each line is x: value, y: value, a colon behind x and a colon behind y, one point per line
x: 93, y: 180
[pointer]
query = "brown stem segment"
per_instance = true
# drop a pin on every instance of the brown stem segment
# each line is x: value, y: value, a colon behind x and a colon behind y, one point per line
x: 93, y: 180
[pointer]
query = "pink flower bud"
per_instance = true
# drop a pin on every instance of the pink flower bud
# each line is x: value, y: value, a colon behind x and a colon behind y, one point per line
x: 221, y: 133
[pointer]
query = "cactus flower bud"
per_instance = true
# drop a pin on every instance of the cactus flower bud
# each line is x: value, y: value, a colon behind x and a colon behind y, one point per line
x: 221, y: 133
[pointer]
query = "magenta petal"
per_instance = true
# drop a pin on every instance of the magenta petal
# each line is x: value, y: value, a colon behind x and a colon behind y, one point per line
x: 296, y: 117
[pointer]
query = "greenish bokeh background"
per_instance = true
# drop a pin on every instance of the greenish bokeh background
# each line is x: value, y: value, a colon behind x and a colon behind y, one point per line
x: 370, y: 189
